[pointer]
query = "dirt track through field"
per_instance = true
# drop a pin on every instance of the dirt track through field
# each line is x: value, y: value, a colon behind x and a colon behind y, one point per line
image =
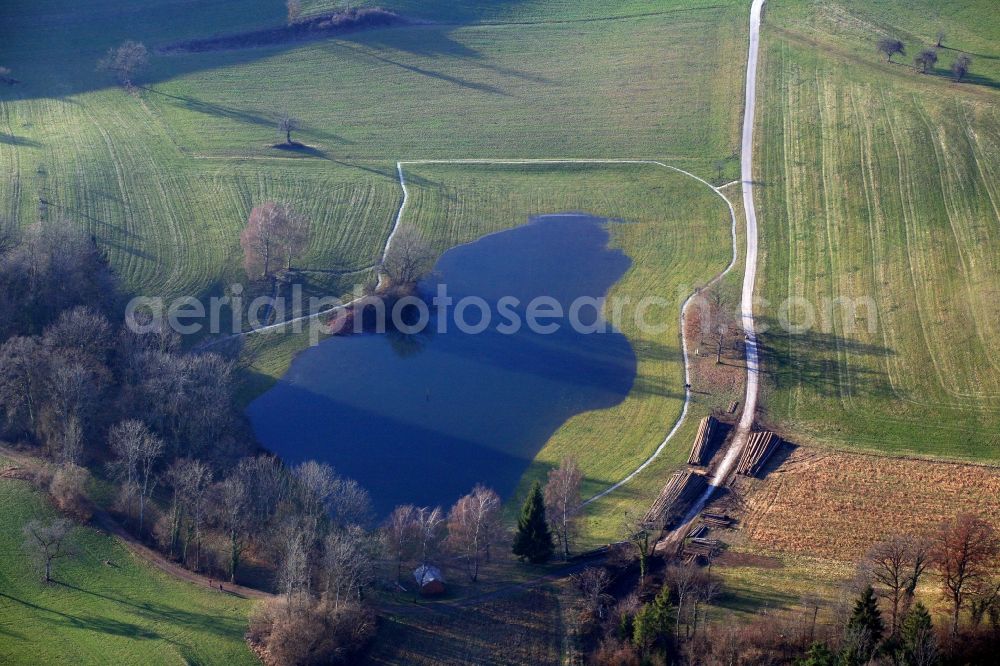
x: 725, y: 467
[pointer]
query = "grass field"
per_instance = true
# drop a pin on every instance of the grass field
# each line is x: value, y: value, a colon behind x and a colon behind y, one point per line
x: 880, y: 183
x: 122, y: 613
x: 165, y: 179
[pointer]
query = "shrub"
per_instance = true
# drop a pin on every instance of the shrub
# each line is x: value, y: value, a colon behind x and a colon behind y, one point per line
x: 316, y: 633
x: 69, y: 491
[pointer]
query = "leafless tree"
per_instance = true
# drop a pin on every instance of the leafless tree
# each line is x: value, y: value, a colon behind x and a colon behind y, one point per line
x: 294, y: 572
x: 961, y: 67
x: 398, y: 535
x: 347, y: 564
x: 275, y: 232
x: 47, y: 542
x: 268, y: 487
x: 685, y: 581
x: 471, y: 525
x: 592, y: 583
x: 706, y: 590
x: 125, y: 61
x: 428, y: 527
x: 234, y: 506
x: 896, y: 565
x: 288, y: 124
x: 136, y: 451
x: 350, y: 504
x: 562, y: 501
x: 639, y: 533
x: 925, y: 60
x: 939, y: 38
x: 23, y: 364
x: 720, y: 167
x: 965, y: 552
x: 191, y: 479
x: 408, y: 258
x: 889, y: 46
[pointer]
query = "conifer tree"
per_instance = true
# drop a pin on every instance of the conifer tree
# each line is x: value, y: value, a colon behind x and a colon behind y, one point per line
x: 865, y: 629
x: 533, y: 541
x: 919, y: 645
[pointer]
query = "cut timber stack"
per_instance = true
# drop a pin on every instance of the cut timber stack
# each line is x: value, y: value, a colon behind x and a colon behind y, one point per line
x: 707, y: 430
x: 758, y: 449
x: 683, y: 488
x: 716, y: 519
x: 703, y: 547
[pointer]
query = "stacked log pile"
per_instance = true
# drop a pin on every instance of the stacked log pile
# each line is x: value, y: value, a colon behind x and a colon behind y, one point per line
x: 702, y: 546
x: 683, y: 488
x: 758, y: 449
x: 716, y: 519
x: 702, y: 449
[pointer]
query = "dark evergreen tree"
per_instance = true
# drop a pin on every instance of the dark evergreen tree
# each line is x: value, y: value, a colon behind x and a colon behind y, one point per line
x: 918, y: 643
x: 653, y: 623
x: 864, y: 630
x: 818, y: 655
x: 533, y: 541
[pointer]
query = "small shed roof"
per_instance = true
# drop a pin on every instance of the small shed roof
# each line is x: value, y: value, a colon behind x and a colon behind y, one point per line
x: 427, y: 573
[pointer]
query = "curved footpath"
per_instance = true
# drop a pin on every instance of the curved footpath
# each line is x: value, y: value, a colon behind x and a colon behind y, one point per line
x: 749, y: 276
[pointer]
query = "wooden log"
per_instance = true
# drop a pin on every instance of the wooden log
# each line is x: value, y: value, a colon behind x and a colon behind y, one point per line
x: 707, y: 429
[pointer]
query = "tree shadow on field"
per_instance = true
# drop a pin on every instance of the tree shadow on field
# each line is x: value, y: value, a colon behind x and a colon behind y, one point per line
x: 99, y: 624
x: 248, y: 117
x: 220, y: 626
x: 825, y: 363
x: 19, y: 141
x: 440, y: 76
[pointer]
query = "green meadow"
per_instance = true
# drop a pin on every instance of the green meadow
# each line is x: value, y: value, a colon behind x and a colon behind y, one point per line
x: 105, y: 606
x: 880, y: 184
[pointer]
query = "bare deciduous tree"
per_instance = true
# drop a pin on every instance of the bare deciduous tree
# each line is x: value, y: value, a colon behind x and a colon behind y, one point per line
x: 136, y: 451
x: 46, y: 543
x: 408, y: 258
x: 398, y: 535
x: 592, y: 584
x: 347, y: 564
x: 939, y: 38
x: 640, y: 535
x: 190, y: 480
x: 897, y: 564
x: 925, y: 60
x: 890, y: 46
x: 274, y: 232
x: 961, y: 67
x: 22, y: 376
x: 428, y: 528
x: 286, y: 125
x: 965, y: 551
x: 294, y: 572
x: 472, y: 525
x: 562, y: 501
x: 235, y: 513
x: 125, y: 61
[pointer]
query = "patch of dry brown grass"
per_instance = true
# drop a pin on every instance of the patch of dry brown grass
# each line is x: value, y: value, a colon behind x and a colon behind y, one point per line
x: 836, y: 505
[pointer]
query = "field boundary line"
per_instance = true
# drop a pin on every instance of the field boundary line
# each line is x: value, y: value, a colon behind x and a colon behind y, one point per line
x: 684, y: 307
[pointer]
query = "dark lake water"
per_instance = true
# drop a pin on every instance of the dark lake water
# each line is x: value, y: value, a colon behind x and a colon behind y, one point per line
x: 421, y: 419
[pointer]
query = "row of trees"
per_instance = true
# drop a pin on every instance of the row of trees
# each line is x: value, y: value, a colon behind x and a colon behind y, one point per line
x: 927, y: 58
